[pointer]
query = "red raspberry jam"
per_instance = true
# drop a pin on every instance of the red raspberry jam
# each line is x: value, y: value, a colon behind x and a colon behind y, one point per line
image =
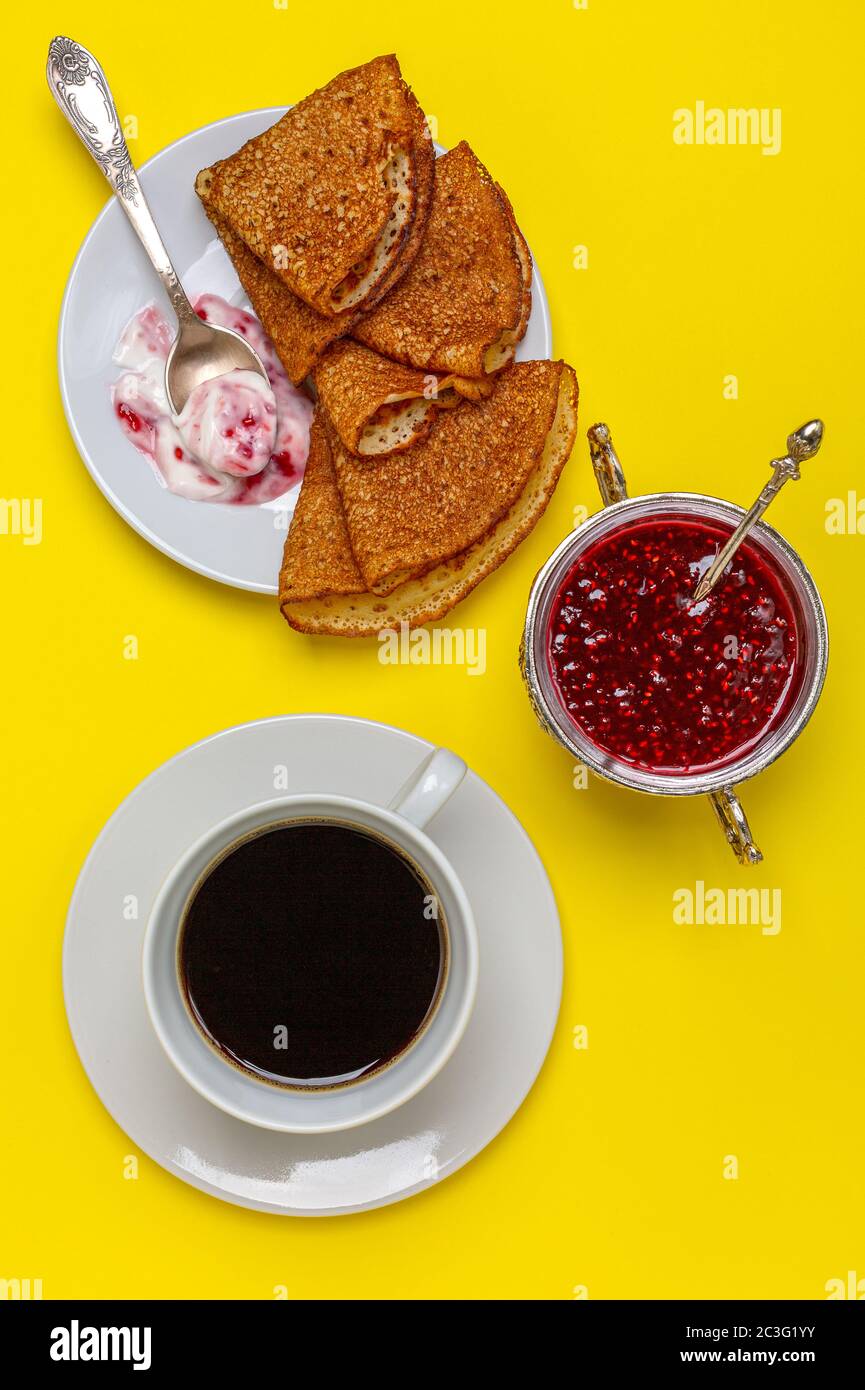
x: 660, y: 682
x: 128, y: 415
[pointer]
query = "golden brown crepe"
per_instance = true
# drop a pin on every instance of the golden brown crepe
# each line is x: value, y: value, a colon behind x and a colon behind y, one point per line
x: 408, y: 512
x: 465, y: 302
x: 381, y: 407
x: 319, y: 560
x: 300, y: 334
x: 334, y: 197
x: 308, y: 594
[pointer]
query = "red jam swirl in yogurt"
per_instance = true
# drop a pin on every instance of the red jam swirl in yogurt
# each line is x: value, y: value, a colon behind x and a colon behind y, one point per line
x: 236, y: 439
x: 656, y: 680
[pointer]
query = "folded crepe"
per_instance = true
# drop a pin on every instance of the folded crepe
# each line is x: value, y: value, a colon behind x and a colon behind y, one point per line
x: 318, y: 557
x: 408, y: 512
x: 464, y: 304
x: 334, y: 197
x: 377, y: 406
x: 299, y: 334
x: 322, y: 589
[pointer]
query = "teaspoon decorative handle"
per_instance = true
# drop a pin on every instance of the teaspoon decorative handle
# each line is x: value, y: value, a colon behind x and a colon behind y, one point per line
x: 81, y: 90
x: 802, y: 444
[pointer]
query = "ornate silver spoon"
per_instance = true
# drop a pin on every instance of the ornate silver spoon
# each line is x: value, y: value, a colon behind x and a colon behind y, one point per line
x: 802, y: 444
x: 200, y: 350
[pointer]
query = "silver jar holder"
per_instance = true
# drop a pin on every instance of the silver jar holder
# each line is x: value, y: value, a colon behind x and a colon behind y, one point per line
x: 618, y: 511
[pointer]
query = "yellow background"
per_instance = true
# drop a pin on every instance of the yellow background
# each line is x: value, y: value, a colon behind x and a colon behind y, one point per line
x: 703, y: 1042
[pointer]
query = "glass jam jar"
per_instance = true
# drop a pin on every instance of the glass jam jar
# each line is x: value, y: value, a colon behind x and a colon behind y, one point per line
x: 651, y: 689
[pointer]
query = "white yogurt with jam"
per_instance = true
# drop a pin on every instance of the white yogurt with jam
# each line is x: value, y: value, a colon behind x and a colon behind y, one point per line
x: 237, y: 439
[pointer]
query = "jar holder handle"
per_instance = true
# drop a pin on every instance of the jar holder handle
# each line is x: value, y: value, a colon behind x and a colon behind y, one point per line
x: 734, y: 823
x: 609, y: 474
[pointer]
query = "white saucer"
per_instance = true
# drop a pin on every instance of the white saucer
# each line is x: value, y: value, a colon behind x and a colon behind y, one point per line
x: 110, y: 280
x: 426, y: 1139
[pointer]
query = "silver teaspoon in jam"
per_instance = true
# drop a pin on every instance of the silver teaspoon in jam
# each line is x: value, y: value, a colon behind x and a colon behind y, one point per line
x: 200, y: 350
x: 801, y: 444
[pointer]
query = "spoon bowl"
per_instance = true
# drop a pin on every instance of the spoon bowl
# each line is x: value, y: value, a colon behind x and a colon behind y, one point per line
x: 202, y: 351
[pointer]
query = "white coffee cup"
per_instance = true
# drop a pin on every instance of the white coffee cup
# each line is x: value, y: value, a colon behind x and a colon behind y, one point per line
x: 258, y: 1102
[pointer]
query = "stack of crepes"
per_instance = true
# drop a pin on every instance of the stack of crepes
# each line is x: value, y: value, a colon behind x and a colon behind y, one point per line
x: 401, y: 285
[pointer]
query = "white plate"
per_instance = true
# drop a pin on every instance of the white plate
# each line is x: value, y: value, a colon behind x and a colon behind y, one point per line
x: 110, y: 280
x: 426, y: 1139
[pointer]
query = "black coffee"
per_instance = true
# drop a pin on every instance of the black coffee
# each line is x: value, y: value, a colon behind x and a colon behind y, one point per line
x: 312, y: 954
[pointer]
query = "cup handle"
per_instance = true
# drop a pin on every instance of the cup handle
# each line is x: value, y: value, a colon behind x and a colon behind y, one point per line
x: 429, y: 787
x: 734, y: 823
